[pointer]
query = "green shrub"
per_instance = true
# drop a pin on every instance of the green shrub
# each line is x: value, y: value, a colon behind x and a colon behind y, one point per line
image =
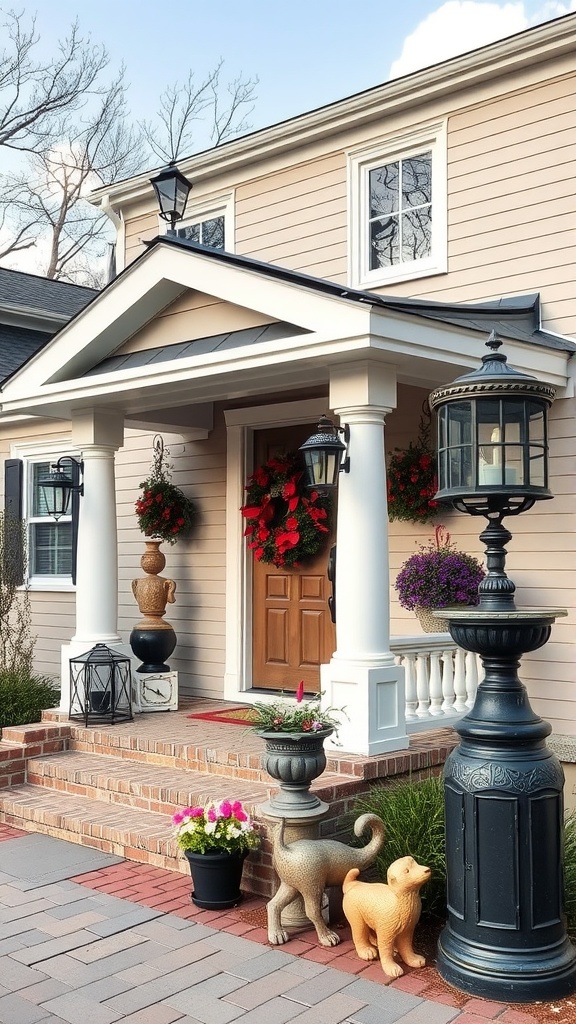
x: 413, y: 816
x: 23, y: 697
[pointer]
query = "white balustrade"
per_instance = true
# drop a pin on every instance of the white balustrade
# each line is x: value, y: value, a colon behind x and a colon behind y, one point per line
x: 441, y: 679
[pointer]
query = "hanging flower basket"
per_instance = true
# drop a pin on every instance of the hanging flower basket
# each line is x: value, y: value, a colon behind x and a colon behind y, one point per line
x: 163, y: 510
x: 286, y: 524
x: 412, y: 480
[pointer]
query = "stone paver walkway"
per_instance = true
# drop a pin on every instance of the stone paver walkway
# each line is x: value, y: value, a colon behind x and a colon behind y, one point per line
x: 88, y: 940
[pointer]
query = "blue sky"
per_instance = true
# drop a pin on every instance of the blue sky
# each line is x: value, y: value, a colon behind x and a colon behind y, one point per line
x: 305, y: 52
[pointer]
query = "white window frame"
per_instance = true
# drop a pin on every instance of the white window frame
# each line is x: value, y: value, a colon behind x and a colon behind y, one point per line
x: 361, y: 161
x: 206, y: 208
x: 41, y: 451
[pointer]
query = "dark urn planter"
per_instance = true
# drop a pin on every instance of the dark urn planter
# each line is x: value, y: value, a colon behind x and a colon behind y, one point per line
x: 153, y: 647
x: 216, y: 879
x: 294, y: 760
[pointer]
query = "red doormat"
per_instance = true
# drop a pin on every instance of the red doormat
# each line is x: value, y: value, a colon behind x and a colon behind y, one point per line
x: 232, y: 716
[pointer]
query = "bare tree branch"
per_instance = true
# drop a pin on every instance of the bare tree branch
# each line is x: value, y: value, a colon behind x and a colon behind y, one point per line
x: 172, y: 134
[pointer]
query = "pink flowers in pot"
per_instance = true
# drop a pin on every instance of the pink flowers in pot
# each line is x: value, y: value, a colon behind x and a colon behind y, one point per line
x: 217, y: 827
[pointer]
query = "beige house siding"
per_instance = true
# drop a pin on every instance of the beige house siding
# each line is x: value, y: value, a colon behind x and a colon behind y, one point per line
x: 211, y: 317
x: 511, y: 206
x: 196, y: 564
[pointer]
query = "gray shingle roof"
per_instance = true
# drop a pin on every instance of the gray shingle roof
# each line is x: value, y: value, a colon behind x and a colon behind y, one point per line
x: 18, y: 289
x: 17, y: 344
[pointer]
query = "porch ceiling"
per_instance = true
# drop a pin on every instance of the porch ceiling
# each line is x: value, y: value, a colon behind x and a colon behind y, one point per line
x: 327, y: 326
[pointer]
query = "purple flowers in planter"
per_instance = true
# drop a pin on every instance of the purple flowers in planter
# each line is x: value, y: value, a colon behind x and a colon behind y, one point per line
x: 439, y: 576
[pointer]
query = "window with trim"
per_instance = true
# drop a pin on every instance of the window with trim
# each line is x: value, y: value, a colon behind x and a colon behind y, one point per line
x: 49, y: 542
x: 210, y: 223
x: 398, y: 209
x: 51, y: 545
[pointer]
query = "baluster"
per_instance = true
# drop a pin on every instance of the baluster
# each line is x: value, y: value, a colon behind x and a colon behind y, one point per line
x: 448, y: 681
x: 460, y: 681
x: 435, y: 684
x: 471, y: 678
x: 409, y: 662
x: 422, y: 686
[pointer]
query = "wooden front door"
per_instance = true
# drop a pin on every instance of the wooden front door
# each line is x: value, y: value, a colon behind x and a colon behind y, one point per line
x: 292, y: 633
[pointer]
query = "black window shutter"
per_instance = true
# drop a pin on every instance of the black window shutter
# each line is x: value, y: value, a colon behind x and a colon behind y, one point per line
x: 75, y: 514
x: 13, y: 566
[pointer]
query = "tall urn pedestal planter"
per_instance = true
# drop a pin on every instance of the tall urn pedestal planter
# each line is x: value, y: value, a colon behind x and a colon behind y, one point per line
x: 294, y: 760
x: 152, y: 639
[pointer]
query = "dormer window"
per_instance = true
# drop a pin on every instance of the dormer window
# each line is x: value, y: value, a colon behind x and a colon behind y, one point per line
x: 209, y: 221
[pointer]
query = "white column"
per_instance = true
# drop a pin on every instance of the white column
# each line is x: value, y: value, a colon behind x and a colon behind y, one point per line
x: 97, y: 560
x: 97, y: 434
x: 362, y: 674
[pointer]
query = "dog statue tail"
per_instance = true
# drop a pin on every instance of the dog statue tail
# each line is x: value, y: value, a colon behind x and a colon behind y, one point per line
x: 350, y: 880
x: 367, y: 854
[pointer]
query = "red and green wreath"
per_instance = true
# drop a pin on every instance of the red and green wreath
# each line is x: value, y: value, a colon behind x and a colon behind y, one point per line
x: 412, y: 480
x: 286, y: 523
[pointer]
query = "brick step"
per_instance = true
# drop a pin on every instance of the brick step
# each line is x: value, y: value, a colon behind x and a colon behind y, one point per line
x: 124, y: 831
x: 117, y: 780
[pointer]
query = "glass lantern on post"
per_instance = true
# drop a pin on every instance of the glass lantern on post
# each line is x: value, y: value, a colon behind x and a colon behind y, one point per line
x: 505, y: 938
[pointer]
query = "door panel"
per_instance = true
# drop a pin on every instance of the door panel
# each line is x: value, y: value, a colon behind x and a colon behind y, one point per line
x: 292, y: 631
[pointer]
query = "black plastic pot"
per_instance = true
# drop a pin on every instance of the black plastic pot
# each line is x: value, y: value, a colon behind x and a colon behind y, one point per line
x: 216, y: 879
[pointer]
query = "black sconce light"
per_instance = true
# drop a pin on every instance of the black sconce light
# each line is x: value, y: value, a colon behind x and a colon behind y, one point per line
x: 58, y: 487
x: 172, y: 190
x: 323, y: 455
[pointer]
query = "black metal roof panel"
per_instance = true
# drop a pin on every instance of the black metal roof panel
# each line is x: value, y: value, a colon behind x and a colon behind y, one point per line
x: 17, y: 344
x: 199, y: 346
x: 42, y: 294
x: 516, y: 317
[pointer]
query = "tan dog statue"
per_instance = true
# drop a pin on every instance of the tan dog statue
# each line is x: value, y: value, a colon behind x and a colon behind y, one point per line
x: 307, y: 866
x: 383, y: 917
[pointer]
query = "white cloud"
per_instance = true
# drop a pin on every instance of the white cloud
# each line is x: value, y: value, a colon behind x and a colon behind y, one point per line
x: 461, y: 25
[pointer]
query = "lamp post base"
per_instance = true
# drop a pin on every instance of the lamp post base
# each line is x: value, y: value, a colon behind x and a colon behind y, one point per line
x: 518, y: 976
x: 506, y: 933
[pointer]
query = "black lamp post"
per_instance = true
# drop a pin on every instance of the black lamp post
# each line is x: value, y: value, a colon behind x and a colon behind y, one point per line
x: 172, y: 190
x: 323, y: 455
x: 58, y: 486
x: 506, y: 934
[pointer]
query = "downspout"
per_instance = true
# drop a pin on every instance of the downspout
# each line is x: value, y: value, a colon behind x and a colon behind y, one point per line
x: 117, y: 257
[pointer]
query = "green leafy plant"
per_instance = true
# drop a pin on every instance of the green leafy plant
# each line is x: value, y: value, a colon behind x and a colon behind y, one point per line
x: 304, y: 716
x: 413, y: 816
x: 163, y: 510
x: 24, y: 697
x: 217, y: 827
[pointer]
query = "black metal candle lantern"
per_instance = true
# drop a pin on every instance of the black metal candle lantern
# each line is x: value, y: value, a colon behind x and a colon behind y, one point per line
x: 100, y: 687
x: 506, y: 933
x: 323, y: 455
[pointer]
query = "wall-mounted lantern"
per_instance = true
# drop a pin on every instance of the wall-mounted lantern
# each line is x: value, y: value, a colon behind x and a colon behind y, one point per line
x: 323, y: 454
x: 58, y: 486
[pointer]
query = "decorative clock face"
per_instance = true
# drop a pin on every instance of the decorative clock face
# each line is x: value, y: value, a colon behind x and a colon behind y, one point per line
x: 156, y: 690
